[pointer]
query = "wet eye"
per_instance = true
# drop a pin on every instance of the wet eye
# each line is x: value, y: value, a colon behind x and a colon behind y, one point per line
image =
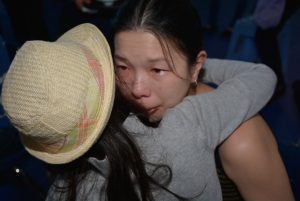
x: 122, y: 70
x: 120, y: 67
x: 159, y: 71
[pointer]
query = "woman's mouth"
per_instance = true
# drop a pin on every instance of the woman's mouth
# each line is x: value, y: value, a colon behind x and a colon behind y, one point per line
x: 151, y: 111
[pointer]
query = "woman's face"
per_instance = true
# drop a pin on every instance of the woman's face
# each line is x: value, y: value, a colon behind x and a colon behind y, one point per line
x: 144, y: 75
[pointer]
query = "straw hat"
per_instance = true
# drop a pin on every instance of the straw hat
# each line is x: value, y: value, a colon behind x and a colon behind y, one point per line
x: 60, y: 94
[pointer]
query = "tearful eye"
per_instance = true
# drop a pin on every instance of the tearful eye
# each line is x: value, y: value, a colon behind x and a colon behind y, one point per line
x: 120, y: 67
x: 159, y: 71
x: 123, y: 71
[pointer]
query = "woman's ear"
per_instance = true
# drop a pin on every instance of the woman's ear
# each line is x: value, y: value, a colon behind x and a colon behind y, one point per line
x: 200, y: 60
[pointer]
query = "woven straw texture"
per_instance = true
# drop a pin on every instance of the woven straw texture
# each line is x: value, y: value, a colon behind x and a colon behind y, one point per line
x: 59, y: 95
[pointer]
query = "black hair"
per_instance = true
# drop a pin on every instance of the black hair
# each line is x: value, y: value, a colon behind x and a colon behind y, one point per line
x: 175, y: 21
x: 127, y: 180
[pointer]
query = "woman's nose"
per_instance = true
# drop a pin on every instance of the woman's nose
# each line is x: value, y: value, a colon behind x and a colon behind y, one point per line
x: 140, y: 88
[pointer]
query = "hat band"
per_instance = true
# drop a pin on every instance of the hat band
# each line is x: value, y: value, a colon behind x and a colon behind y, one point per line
x: 91, y: 110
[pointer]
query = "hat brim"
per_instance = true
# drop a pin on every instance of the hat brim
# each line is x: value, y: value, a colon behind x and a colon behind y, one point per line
x: 90, y: 37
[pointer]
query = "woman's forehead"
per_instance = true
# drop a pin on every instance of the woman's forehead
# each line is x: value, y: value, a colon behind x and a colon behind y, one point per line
x: 138, y: 42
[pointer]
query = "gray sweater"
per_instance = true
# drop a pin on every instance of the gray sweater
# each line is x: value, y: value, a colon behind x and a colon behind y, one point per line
x: 189, y: 133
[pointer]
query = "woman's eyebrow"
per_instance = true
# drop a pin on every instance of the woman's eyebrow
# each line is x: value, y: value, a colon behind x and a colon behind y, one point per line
x: 150, y: 60
x: 116, y: 56
x: 158, y: 59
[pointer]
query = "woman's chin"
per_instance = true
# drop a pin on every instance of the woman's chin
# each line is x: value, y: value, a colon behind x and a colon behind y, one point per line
x: 155, y: 116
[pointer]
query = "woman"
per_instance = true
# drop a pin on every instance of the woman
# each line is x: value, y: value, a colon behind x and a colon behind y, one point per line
x: 147, y: 31
x: 59, y: 95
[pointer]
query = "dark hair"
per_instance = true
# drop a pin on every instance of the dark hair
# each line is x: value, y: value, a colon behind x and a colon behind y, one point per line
x: 127, y: 179
x: 172, y: 21
x: 175, y: 21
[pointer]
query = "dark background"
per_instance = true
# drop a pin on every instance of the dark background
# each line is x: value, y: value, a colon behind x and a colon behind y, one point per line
x: 229, y: 33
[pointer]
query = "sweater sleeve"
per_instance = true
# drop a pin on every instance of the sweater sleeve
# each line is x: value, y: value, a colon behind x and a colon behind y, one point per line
x: 258, y: 79
x: 243, y: 89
